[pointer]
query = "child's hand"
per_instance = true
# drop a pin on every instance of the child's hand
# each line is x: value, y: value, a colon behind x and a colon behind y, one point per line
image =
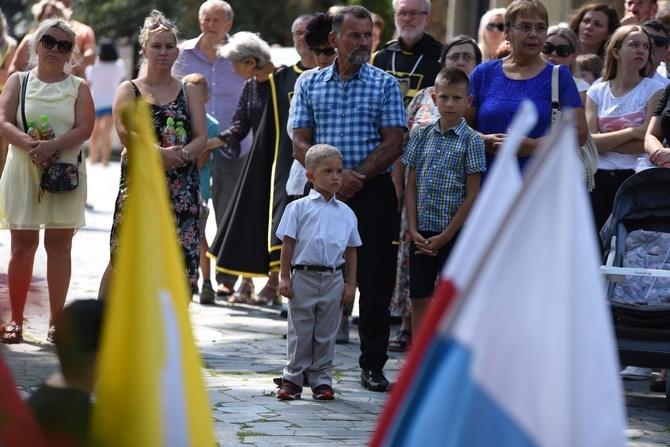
x: 349, y: 294
x: 421, y: 244
x: 285, y: 288
x: 435, y: 243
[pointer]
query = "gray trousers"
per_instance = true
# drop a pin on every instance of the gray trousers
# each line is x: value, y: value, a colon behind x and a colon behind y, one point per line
x: 226, y: 173
x: 314, y: 315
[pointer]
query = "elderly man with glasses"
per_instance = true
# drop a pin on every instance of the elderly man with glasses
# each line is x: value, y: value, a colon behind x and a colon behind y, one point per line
x: 414, y: 58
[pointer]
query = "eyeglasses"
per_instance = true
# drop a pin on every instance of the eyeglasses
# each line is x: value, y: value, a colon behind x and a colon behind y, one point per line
x: 165, y: 23
x: 329, y: 51
x: 410, y: 14
x: 492, y: 26
x: 48, y: 42
x: 661, y: 42
x: 467, y: 57
x: 561, y: 50
x: 526, y: 28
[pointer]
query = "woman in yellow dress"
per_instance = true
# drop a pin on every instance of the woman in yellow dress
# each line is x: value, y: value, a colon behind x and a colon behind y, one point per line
x: 67, y: 102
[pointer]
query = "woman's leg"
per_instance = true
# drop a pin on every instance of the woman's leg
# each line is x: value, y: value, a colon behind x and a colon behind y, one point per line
x: 58, y: 245
x: 106, y: 128
x: 269, y: 292
x: 93, y: 143
x: 20, y: 270
x: 104, y: 282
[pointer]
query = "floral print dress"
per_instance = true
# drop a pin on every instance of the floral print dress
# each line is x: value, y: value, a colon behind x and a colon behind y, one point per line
x: 183, y: 185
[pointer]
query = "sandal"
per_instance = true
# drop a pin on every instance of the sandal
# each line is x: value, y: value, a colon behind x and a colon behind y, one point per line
x: 241, y: 296
x: 401, y: 341
x: 268, y: 295
x: 51, y: 334
x: 11, y: 334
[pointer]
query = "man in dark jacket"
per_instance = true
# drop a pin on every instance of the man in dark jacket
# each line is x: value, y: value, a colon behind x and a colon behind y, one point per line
x: 414, y: 57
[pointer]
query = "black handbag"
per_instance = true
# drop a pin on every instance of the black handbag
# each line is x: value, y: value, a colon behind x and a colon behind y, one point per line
x: 59, y: 177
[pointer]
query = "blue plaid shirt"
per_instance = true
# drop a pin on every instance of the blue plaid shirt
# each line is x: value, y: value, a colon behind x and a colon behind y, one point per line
x: 442, y: 162
x: 349, y: 116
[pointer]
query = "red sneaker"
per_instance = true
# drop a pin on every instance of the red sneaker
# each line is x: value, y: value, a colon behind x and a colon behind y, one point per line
x: 323, y: 392
x: 289, y: 391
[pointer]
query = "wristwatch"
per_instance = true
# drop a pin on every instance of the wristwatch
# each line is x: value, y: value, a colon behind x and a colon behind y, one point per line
x: 184, y: 154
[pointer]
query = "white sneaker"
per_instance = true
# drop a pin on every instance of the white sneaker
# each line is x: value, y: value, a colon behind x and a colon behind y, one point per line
x: 636, y: 373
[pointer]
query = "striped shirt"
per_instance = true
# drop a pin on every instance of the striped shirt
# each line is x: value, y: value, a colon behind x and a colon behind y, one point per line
x: 442, y: 162
x: 350, y: 115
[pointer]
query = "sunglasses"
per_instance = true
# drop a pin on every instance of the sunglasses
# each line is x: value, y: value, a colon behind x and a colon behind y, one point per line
x: 659, y: 41
x: 48, y: 42
x: 166, y: 24
x: 492, y: 26
x: 561, y: 50
x: 325, y: 51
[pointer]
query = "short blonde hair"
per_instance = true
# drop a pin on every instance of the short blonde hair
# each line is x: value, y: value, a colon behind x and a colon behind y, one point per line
x: 318, y: 152
x: 46, y: 25
x: 199, y: 81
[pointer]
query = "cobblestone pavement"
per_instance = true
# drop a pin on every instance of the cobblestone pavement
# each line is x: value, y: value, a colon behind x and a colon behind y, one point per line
x: 243, y: 350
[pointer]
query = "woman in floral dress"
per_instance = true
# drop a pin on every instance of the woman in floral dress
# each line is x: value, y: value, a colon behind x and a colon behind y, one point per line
x: 168, y: 98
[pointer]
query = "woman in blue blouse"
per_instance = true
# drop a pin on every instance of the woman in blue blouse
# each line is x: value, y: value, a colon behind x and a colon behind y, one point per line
x: 499, y: 86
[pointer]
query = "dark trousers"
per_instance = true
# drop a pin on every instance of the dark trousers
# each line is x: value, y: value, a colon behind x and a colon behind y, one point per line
x: 602, y: 197
x: 375, y: 207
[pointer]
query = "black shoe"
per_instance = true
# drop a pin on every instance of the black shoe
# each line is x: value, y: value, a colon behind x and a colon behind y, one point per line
x: 374, y: 380
x: 658, y: 385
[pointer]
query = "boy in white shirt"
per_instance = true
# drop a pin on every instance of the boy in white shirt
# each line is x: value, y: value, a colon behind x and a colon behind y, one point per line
x: 320, y: 237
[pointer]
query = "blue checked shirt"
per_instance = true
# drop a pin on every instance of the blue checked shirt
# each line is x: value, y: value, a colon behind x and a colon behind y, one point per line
x: 442, y: 162
x: 349, y: 116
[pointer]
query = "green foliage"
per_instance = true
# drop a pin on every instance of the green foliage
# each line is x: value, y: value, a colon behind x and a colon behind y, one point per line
x: 272, y: 19
x: 123, y: 18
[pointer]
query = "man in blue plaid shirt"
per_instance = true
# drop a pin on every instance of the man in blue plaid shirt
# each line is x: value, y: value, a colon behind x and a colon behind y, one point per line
x: 359, y: 109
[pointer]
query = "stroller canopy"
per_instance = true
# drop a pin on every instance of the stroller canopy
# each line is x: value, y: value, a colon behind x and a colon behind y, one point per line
x: 645, y: 194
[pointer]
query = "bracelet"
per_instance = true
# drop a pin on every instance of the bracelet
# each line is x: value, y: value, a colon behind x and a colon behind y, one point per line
x: 184, y: 154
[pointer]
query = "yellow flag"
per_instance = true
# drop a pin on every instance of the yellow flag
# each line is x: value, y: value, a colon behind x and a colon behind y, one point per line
x: 151, y: 391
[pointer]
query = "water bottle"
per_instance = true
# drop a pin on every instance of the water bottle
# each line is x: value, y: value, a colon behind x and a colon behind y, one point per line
x: 642, y: 164
x: 180, y: 134
x: 169, y: 137
x: 33, y: 131
x: 47, y: 131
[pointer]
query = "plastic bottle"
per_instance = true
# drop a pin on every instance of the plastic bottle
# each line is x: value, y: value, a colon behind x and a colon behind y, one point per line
x: 33, y: 131
x: 642, y: 164
x: 180, y: 134
x: 47, y: 131
x: 169, y: 137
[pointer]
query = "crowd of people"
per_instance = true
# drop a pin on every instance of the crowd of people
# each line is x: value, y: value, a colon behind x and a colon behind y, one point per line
x: 314, y: 170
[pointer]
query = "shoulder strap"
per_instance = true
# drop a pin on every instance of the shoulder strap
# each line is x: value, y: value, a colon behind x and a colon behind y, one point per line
x: 137, y: 90
x: 24, y: 85
x: 555, y: 103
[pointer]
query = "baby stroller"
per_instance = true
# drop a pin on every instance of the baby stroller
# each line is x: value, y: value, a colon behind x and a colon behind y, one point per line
x: 636, y: 241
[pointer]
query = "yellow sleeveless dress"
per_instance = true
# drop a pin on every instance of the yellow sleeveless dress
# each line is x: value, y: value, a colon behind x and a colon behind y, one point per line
x: 19, y: 185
